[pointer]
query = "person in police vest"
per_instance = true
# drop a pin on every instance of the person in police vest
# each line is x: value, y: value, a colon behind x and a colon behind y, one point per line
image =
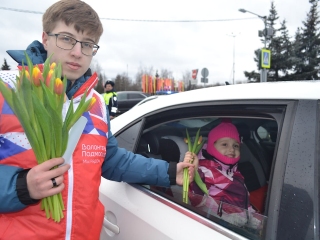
x: 110, y: 98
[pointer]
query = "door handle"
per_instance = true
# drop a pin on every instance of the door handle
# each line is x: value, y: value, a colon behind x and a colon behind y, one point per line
x: 112, y: 227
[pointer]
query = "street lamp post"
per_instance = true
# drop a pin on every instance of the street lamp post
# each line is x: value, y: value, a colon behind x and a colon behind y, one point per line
x: 263, y: 74
x: 234, y: 63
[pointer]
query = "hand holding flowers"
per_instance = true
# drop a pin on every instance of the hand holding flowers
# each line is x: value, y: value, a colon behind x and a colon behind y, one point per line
x: 191, y: 157
x: 37, y: 102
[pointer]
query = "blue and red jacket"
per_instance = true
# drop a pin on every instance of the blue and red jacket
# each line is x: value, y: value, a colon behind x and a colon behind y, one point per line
x: 97, y: 154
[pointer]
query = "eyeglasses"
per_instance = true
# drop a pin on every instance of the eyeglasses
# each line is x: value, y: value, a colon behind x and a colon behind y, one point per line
x: 67, y: 43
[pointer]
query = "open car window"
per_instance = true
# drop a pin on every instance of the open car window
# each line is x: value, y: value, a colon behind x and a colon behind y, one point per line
x: 246, y: 222
x: 162, y: 137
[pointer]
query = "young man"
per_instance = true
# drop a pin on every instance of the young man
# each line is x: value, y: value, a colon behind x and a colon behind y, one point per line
x: 110, y: 98
x: 71, y: 30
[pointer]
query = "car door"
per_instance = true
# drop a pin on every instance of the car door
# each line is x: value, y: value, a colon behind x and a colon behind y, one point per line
x: 122, y: 98
x: 148, y: 212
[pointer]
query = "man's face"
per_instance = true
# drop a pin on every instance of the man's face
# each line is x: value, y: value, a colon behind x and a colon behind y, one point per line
x: 74, y: 64
x: 109, y: 87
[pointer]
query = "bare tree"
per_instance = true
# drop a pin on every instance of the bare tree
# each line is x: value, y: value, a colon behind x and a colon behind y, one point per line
x: 186, y: 78
x: 141, y: 71
x: 95, y: 67
x: 122, y: 82
x: 165, y: 73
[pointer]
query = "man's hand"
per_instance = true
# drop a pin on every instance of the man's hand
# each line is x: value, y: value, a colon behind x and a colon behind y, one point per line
x: 180, y: 167
x: 111, y: 117
x: 39, y: 178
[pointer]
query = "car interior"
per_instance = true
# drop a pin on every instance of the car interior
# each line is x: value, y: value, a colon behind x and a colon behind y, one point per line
x: 258, y: 140
x: 161, y: 135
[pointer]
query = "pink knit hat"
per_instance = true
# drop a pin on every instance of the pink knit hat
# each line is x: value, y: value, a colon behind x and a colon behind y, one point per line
x: 225, y: 129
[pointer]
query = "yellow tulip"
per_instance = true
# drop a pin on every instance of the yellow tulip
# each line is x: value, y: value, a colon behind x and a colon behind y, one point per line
x: 36, y: 76
x: 58, y: 86
x: 93, y: 101
x: 49, y: 77
x: 52, y: 66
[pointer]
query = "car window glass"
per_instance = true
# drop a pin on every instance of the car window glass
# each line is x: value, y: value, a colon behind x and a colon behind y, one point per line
x: 135, y: 96
x: 245, y: 222
x: 122, y: 96
x: 267, y: 132
x: 167, y: 141
x: 127, y: 138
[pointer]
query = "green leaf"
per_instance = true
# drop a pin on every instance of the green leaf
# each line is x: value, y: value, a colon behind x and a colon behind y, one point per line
x: 46, y: 68
x: 20, y: 91
x: 39, y: 134
x: 68, y: 115
x: 30, y: 64
x: 199, y: 147
x: 21, y: 115
x: 195, y: 144
x: 48, y: 97
x: 57, y: 129
x: 189, y: 142
x: 83, y: 100
x: 65, y: 81
x: 26, y: 89
x: 7, y: 94
x: 199, y: 182
x: 45, y: 122
x: 65, y: 136
x: 78, y: 113
x: 59, y: 70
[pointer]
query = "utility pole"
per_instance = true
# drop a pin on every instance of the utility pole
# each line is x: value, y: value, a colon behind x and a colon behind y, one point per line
x: 267, y: 32
x: 234, y: 49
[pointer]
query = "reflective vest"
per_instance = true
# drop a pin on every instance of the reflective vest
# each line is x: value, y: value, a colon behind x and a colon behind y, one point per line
x: 107, y: 97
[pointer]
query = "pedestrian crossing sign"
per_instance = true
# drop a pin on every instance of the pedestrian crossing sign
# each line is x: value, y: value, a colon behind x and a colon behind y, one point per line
x: 265, y: 58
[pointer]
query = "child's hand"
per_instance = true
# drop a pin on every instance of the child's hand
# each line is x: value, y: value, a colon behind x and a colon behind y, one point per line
x: 191, y: 158
x: 180, y: 167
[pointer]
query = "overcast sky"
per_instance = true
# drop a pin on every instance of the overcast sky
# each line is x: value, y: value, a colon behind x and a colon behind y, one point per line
x: 176, y: 46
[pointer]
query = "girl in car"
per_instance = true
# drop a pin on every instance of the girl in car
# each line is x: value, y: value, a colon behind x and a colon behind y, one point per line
x: 217, y: 166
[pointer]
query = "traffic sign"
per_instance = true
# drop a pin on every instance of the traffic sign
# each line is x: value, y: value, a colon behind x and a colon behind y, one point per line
x: 265, y: 58
x: 194, y: 73
x: 204, y: 72
x: 204, y: 80
x: 193, y: 81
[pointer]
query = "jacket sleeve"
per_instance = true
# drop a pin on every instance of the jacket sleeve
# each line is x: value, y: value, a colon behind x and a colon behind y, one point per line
x: 8, y: 195
x: 122, y: 165
x: 114, y: 107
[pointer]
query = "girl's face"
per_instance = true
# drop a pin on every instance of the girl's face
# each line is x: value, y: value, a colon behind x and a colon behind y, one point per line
x: 228, y: 147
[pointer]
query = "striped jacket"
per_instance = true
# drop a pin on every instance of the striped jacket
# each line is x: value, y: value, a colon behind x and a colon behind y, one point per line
x: 97, y: 154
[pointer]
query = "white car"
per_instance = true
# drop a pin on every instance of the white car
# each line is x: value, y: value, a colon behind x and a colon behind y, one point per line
x: 280, y: 130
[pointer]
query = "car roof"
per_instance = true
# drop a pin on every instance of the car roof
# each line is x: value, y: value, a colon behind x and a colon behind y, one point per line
x: 290, y: 90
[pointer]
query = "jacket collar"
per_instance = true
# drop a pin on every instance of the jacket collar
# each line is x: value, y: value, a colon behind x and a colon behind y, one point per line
x: 35, y: 51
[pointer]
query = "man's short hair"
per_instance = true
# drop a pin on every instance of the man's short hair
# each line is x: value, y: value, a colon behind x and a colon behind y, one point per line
x: 76, y: 12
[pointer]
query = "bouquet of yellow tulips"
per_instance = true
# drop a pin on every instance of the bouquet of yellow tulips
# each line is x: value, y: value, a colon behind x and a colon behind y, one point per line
x: 37, y: 101
x: 195, y: 148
